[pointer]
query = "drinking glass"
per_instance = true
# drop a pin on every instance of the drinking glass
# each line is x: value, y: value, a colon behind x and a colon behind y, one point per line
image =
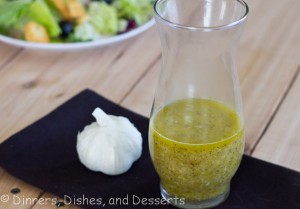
x: 196, y: 130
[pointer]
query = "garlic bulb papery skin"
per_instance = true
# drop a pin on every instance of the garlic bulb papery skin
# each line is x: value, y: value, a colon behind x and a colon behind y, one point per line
x: 110, y: 145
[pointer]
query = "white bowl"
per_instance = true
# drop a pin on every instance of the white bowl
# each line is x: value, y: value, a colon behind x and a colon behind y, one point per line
x: 79, y: 45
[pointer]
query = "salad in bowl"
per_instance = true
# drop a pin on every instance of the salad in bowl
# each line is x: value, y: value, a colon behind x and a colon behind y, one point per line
x: 71, y: 21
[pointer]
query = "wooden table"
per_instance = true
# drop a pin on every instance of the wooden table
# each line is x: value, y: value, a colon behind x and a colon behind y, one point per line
x: 33, y: 83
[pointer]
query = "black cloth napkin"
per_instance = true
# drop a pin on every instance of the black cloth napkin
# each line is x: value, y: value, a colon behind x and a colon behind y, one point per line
x: 44, y: 155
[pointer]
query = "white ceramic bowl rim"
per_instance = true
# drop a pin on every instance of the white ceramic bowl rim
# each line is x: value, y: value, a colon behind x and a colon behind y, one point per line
x: 77, y: 46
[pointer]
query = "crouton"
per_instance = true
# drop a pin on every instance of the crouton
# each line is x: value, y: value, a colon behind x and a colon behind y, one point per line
x: 70, y: 9
x: 75, y: 9
x: 61, y: 6
x: 35, y: 32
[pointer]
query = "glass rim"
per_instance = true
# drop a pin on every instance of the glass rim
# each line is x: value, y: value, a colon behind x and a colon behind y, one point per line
x: 203, y: 28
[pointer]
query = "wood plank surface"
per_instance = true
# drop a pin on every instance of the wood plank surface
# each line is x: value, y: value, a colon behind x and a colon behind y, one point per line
x: 267, y: 60
x: 141, y: 97
x: 281, y: 142
x: 33, y: 83
x: 263, y: 80
x: 9, y: 200
x: 7, y: 54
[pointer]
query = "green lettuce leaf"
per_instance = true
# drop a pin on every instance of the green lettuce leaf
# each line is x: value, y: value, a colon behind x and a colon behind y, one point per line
x: 139, y: 10
x: 40, y: 13
x: 104, y: 18
x: 12, y: 11
x: 85, y: 32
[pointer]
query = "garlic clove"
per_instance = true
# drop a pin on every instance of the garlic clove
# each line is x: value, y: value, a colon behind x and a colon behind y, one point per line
x: 110, y: 145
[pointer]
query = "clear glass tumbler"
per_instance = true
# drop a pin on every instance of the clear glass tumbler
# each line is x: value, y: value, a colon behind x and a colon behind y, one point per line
x: 196, y: 131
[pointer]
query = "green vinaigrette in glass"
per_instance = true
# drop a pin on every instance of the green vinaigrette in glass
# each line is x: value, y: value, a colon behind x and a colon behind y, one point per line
x: 196, y: 131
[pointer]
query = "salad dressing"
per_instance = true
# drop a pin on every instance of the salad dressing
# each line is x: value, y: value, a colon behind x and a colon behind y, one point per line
x: 196, y: 146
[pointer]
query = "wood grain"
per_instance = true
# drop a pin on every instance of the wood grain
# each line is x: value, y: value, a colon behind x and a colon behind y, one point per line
x: 281, y: 142
x: 263, y: 80
x: 39, y: 82
x: 22, y: 200
x: 141, y: 97
x: 267, y: 61
x: 7, y: 54
x: 33, y: 83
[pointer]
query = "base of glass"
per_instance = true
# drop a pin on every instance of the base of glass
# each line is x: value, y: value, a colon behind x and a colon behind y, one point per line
x: 191, y: 204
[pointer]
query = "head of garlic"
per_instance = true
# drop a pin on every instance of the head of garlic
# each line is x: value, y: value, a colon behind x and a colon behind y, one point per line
x: 110, y: 145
